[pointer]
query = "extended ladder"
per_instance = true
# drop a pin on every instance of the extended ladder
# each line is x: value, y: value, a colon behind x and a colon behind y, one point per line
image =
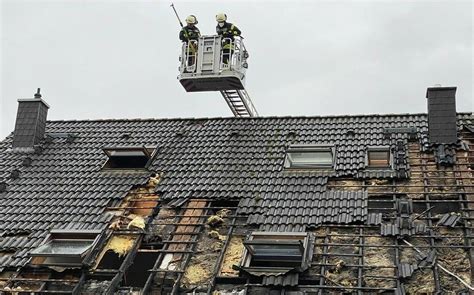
x: 239, y: 103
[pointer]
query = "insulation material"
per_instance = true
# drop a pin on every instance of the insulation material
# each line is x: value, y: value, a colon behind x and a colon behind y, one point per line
x: 381, y: 257
x: 137, y: 222
x: 215, y: 235
x: 215, y: 221
x: 442, y: 178
x: 138, y: 204
x: 232, y: 256
x: 197, y: 273
x: 377, y: 185
x: 315, y: 270
x: 338, y: 273
x: 120, y: 244
x: 5, y: 275
x: 455, y: 260
x: 408, y: 254
x: 161, y: 225
x: 349, y: 185
x: 413, y: 188
x: 422, y: 281
x: 223, y: 213
x: 201, y: 267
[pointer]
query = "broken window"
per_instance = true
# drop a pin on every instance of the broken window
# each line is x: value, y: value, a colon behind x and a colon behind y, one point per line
x: 310, y: 156
x: 65, y: 247
x: 128, y: 157
x: 379, y: 157
x: 276, y: 250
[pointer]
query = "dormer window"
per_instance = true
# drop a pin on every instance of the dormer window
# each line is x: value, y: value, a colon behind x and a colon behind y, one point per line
x: 128, y: 157
x: 379, y: 157
x: 65, y: 248
x: 310, y: 156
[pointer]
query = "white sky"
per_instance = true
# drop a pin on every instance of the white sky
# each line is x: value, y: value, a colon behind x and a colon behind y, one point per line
x: 119, y: 59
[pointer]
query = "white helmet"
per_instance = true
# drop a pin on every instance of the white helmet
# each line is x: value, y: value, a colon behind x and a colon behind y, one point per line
x: 221, y: 17
x: 191, y: 19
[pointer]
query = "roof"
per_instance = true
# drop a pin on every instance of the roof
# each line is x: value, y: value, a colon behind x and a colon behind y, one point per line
x: 217, y: 158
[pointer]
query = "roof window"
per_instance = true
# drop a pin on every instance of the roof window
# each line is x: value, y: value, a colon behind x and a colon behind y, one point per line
x: 276, y: 250
x: 379, y: 157
x: 65, y: 248
x: 128, y: 157
x: 310, y: 156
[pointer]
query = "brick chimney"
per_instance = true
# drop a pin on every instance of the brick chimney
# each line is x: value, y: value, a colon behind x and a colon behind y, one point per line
x: 30, y: 121
x: 442, y: 126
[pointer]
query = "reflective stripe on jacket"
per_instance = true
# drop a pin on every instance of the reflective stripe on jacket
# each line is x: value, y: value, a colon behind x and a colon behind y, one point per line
x: 228, y: 31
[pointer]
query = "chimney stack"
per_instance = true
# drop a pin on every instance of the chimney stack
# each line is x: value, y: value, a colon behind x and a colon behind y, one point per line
x: 442, y: 126
x: 30, y: 121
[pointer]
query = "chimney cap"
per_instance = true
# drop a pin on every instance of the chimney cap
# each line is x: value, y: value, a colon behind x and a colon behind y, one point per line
x: 37, y: 98
x: 440, y: 88
x: 38, y: 94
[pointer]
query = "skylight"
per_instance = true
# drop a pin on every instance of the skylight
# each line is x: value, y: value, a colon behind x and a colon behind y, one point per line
x: 379, y: 157
x: 65, y: 247
x: 127, y: 157
x: 309, y: 156
x: 276, y: 250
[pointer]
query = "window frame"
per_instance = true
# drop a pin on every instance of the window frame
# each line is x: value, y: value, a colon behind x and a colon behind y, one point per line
x: 310, y: 148
x: 145, y: 150
x: 386, y: 149
x: 68, y: 236
x: 300, y: 240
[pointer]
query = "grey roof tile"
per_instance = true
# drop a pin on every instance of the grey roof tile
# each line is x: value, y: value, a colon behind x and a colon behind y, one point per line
x: 449, y: 219
x: 220, y: 158
x: 289, y: 279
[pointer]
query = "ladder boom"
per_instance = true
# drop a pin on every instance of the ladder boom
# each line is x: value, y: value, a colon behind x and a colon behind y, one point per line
x: 239, y: 103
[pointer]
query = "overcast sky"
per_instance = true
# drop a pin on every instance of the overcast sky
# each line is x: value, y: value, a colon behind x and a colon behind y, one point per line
x: 119, y: 59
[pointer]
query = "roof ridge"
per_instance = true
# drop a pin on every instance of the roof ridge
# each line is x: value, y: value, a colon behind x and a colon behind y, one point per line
x: 247, y: 118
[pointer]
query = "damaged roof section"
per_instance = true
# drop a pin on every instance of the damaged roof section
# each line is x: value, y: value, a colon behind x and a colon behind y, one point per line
x: 205, y: 161
x: 211, y: 165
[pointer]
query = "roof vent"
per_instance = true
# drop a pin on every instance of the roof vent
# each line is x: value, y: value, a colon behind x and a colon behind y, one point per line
x: 30, y: 121
x: 442, y: 114
x: 14, y: 174
x: 350, y: 133
x: 3, y: 187
x: 38, y: 149
x: 27, y: 162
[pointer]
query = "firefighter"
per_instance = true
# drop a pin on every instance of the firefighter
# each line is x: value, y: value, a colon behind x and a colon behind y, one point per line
x: 190, y: 35
x: 228, y: 31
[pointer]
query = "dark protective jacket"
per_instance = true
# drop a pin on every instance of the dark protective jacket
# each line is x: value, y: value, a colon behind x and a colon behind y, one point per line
x: 189, y: 33
x: 228, y: 31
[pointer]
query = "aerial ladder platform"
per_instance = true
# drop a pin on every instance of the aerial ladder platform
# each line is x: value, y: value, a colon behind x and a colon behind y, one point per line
x: 206, y: 67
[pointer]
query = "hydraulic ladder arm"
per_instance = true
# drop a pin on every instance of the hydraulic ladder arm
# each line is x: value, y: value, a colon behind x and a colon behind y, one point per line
x: 239, y: 103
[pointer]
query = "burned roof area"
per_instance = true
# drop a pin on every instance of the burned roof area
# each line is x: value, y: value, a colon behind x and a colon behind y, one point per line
x: 368, y: 204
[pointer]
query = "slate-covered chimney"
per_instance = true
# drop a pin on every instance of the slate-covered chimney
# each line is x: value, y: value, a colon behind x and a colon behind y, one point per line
x: 30, y: 121
x: 442, y: 114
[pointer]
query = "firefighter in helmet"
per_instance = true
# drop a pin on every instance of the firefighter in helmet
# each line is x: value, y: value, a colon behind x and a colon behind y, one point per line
x: 190, y: 35
x: 228, y: 31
